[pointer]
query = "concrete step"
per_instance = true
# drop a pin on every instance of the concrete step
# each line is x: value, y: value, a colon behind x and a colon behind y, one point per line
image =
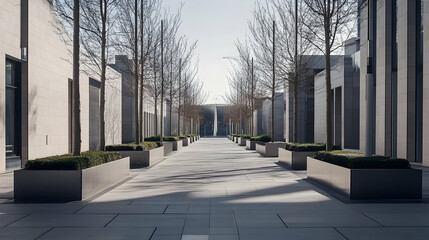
x: 13, y: 163
x: 9, y: 151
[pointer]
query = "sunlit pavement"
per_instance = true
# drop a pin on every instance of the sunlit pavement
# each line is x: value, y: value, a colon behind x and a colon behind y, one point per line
x: 215, y: 189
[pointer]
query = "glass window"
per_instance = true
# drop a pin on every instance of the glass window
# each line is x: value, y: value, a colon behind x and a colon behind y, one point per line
x: 9, y: 73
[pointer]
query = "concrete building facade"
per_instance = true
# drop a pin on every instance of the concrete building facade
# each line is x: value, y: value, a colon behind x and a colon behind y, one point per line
x: 305, y: 100
x: 213, y: 122
x: 345, y: 80
x: 125, y: 67
x: 35, y: 87
x: 400, y: 70
x: 262, y: 117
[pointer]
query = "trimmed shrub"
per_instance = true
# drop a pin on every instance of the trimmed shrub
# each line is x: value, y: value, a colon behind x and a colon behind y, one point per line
x: 70, y: 162
x: 245, y: 136
x: 144, y: 146
x: 308, y: 147
x: 262, y: 138
x: 356, y: 160
x: 164, y: 138
x: 182, y: 137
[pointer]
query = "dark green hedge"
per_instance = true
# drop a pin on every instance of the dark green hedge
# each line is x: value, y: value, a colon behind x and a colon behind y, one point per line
x: 261, y: 138
x: 182, y: 137
x: 308, y: 147
x: 144, y: 146
x: 70, y: 162
x: 355, y: 160
x: 245, y: 136
x: 164, y: 138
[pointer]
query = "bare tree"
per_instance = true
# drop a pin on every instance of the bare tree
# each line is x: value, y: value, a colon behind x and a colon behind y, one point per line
x: 263, y: 30
x: 76, y: 89
x: 295, y: 50
x: 96, y: 22
x: 329, y: 24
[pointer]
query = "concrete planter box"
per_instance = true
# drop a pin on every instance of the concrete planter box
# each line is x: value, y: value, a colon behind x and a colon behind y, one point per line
x: 294, y: 160
x: 172, y: 146
x: 236, y: 139
x: 250, y: 145
x: 68, y: 185
x: 168, y: 148
x: 361, y: 184
x: 270, y: 149
x: 177, y: 145
x: 241, y: 142
x: 144, y: 158
x: 185, y: 142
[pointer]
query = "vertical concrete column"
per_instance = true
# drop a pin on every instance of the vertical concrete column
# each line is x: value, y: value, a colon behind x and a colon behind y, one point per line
x: 337, y: 116
x: 383, y: 77
x: 425, y: 140
x: 287, y: 123
x: 406, y: 79
x: 2, y: 111
x: 363, y: 76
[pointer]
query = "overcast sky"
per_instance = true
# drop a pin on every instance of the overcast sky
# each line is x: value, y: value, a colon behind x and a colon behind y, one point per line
x: 216, y: 24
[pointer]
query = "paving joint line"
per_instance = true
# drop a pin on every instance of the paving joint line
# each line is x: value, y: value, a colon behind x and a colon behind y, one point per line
x: 281, y: 219
x: 84, y: 206
x: 340, y: 233
x: 373, y: 219
x: 153, y: 233
x: 29, y: 214
x: 52, y: 228
x: 235, y: 223
x: 111, y: 220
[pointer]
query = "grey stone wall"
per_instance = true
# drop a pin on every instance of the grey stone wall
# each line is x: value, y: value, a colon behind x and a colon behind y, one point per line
x: 305, y: 108
x: 425, y: 140
x: 279, y: 115
x: 345, y: 109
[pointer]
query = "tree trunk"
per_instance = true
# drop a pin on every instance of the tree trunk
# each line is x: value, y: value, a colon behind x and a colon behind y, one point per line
x: 162, y: 83
x: 136, y: 76
x: 155, y: 91
x: 252, y: 102
x: 329, y: 143
x: 273, y: 90
x: 295, y: 108
x: 295, y: 85
x: 156, y: 116
x: 103, y: 11
x: 171, y: 95
x: 180, y: 95
x: 76, y: 131
x: 142, y: 59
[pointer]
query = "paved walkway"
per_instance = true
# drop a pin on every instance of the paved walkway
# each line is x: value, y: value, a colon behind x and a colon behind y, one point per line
x: 214, y: 189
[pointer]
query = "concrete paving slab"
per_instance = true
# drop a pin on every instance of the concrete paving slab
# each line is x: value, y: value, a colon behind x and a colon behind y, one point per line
x: 385, y: 233
x: 64, y: 220
x: 98, y: 233
x: 214, y: 189
x: 290, y: 233
x: 22, y: 233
